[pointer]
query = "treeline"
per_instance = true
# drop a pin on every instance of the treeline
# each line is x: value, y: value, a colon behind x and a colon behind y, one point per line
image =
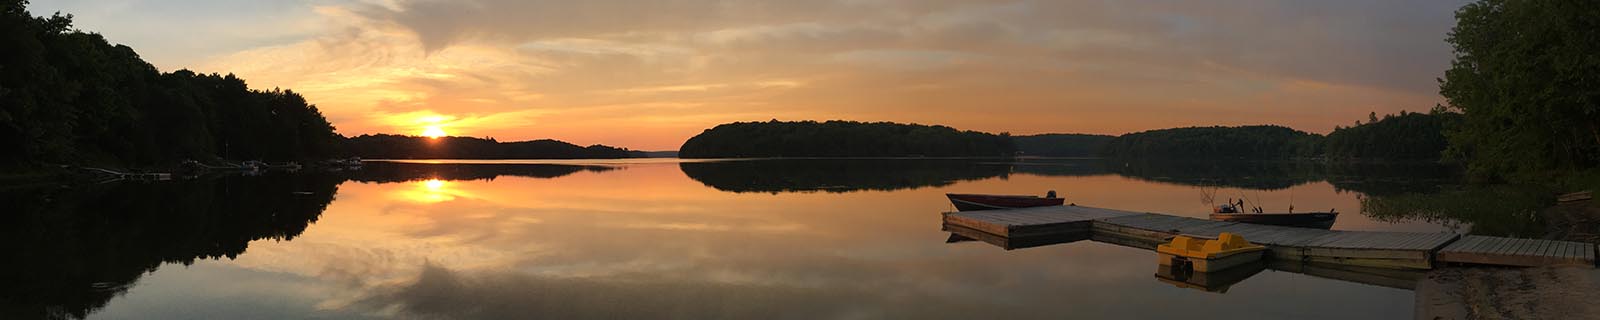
x: 386, y: 146
x: 68, y: 96
x: 1405, y: 137
x: 1408, y: 136
x: 1062, y: 144
x: 839, y: 175
x: 842, y: 139
x: 1249, y: 142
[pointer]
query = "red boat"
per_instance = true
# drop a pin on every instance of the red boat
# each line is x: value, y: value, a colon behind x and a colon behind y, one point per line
x: 975, y: 202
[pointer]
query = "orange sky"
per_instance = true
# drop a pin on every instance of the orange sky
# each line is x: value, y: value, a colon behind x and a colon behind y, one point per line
x: 650, y: 74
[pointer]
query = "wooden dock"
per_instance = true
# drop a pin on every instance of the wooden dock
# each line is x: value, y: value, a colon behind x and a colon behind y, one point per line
x: 1031, y: 227
x: 1517, y: 252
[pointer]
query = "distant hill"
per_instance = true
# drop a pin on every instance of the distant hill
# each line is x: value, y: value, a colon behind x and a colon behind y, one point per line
x: 1247, y: 142
x: 386, y: 146
x: 842, y: 139
x: 1062, y: 144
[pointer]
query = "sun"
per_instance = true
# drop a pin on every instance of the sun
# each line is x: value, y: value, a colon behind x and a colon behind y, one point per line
x: 433, y: 132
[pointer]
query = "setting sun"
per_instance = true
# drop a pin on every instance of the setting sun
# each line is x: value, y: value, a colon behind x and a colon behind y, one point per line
x: 433, y: 132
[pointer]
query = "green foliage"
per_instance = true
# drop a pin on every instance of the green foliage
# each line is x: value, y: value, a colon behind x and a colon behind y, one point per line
x: 1247, y: 142
x: 1062, y: 145
x: 385, y: 146
x: 1526, y: 74
x: 1409, y: 136
x: 67, y: 96
x: 842, y: 139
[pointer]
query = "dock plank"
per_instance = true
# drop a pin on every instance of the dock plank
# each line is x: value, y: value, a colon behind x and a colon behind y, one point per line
x: 1551, y: 248
x: 1540, y: 249
x: 1516, y: 252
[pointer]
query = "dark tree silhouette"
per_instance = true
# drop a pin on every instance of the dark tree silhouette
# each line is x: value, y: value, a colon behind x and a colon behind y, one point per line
x: 1248, y: 142
x: 842, y: 139
x: 1062, y: 145
x: 386, y: 146
x: 1409, y: 136
x: 1526, y: 76
x: 68, y: 96
x: 838, y: 175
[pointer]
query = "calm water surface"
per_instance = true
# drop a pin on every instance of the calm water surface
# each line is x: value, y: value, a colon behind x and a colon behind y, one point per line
x: 801, y: 239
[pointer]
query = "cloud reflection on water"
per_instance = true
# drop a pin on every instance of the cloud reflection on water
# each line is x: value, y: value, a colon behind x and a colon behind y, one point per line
x: 645, y: 242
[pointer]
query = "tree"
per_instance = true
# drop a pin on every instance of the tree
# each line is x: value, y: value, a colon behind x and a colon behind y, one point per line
x: 68, y: 96
x: 1409, y: 136
x: 1526, y: 76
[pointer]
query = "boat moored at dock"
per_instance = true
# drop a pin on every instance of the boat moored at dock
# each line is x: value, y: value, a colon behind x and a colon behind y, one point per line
x: 976, y: 202
x: 1318, y: 220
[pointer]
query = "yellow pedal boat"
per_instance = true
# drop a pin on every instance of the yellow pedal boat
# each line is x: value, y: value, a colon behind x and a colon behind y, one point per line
x: 1206, y: 255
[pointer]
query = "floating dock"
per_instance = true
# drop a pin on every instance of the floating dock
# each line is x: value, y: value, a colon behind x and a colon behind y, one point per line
x: 1031, y: 227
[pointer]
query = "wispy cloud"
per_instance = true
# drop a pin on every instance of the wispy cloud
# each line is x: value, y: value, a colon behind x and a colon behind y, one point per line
x: 648, y: 74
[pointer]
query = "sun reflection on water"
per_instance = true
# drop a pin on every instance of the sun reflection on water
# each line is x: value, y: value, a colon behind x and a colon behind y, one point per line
x: 430, y: 191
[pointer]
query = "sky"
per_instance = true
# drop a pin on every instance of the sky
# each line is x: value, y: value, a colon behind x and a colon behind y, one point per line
x: 648, y: 75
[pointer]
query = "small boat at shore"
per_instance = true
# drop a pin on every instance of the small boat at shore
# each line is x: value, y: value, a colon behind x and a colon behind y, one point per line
x: 975, y: 202
x: 1318, y: 220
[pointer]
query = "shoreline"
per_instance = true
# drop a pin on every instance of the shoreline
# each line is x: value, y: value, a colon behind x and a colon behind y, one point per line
x: 1565, y: 292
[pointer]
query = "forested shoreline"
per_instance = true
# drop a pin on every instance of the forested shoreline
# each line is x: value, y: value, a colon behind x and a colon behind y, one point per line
x: 387, y: 146
x: 839, y: 138
x: 1246, y: 142
x: 1407, y: 137
x: 1062, y: 144
x: 70, y: 97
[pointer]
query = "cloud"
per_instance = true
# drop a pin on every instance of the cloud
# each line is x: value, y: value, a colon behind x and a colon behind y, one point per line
x: 664, y: 70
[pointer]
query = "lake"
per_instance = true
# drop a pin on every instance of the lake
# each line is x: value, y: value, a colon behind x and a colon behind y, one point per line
x: 662, y: 238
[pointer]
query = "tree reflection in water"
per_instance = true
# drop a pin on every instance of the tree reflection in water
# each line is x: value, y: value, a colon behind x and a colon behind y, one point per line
x: 69, y: 251
x: 1503, y: 210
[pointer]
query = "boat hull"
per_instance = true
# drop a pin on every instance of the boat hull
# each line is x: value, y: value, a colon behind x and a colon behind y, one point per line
x: 1211, y: 264
x: 976, y: 202
x: 1318, y: 220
